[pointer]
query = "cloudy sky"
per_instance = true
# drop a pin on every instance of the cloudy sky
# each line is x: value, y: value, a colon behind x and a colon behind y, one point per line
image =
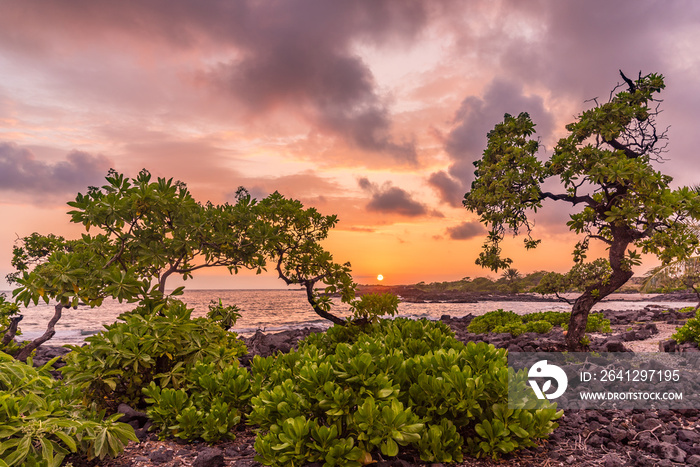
x: 372, y: 110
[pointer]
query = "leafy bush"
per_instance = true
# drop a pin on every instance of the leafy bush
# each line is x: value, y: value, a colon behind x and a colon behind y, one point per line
x: 489, y: 321
x: 346, y: 396
x: 207, y: 408
x: 514, y: 328
x: 225, y: 315
x: 370, y: 307
x: 555, y: 318
x: 42, y: 420
x: 540, y: 327
x: 690, y: 331
x: 596, y: 323
x: 159, y: 343
x: 500, y: 321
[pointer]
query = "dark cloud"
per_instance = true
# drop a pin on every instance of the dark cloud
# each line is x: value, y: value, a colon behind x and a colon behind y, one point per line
x: 22, y: 172
x: 392, y: 199
x: 304, y: 59
x: 299, y: 55
x: 475, y: 117
x: 581, y: 46
x: 465, y: 231
x: 450, y: 190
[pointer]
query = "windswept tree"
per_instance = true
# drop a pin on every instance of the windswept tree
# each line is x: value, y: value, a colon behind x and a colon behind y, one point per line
x: 604, y: 165
x: 140, y: 232
x: 299, y: 258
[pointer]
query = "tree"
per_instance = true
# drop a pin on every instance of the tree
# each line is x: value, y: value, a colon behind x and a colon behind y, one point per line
x: 299, y: 257
x: 680, y: 273
x: 150, y: 230
x: 511, y: 276
x: 604, y: 165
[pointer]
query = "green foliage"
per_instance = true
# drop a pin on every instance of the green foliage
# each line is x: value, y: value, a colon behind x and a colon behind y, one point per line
x: 207, y: 407
x: 42, y: 421
x: 8, y: 311
x: 294, y: 245
x: 509, y: 282
x: 370, y: 307
x: 159, y: 344
x: 226, y: 316
x: 690, y: 331
x: 540, y: 327
x: 555, y: 318
x: 489, y: 321
x: 514, y: 328
x: 596, y: 323
x: 150, y: 230
x: 500, y: 321
x: 604, y: 165
x: 393, y: 385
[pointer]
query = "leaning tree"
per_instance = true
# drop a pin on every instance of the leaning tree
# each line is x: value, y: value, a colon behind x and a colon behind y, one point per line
x: 140, y: 232
x: 145, y: 231
x: 604, y: 164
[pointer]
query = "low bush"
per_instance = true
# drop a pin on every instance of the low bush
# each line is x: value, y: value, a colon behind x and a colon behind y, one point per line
x: 43, y: 420
x: 349, y: 396
x: 491, y: 320
x: 555, y: 318
x: 690, y: 331
x: 159, y: 344
x: 500, y: 321
x: 596, y: 323
x: 208, y: 407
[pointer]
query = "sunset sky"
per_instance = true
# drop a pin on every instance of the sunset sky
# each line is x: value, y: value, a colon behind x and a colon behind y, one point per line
x: 371, y: 110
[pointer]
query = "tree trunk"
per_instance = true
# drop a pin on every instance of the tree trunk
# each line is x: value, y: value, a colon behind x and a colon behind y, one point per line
x: 584, y: 303
x: 26, y: 351
x: 320, y: 311
x: 582, y: 308
x: 11, y: 331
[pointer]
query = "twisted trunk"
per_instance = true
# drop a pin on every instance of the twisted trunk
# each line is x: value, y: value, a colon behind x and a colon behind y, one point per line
x: 320, y: 311
x: 50, y: 331
x: 11, y: 330
x: 622, y: 237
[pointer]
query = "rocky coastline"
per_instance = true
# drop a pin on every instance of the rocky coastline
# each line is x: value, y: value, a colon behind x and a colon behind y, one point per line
x: 610, y: 438
x: 413, y: 294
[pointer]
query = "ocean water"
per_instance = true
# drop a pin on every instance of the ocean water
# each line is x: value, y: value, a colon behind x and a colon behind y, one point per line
x: 278, y: 310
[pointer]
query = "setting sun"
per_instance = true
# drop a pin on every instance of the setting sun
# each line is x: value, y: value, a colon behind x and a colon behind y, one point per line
x: 380, y: 277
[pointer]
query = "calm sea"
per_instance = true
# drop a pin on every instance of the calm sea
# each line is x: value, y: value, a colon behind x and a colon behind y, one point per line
x: 278, y: 310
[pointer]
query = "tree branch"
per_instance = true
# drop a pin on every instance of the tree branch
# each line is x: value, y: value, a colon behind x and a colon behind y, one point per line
x: 569, y: 198
x: 630, y: 83
x: 50, y: 331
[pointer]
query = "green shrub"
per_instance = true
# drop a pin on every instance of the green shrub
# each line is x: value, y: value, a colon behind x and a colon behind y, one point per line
x: 209, y: 407
x: 42, y: 420
x: 500, y: 321
x: 514, y: 328
x: 596, y: 323
x: 225, y: 315
x: 349, y: 396
x: 690, y: 331
x: 370, y: 307
x: 489, y: 321
x: 555, y: 318
x: 158, y: 344
x: 540, y: 327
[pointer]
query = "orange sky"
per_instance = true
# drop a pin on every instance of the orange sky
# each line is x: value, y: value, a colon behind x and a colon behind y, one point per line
x: 371, y: 110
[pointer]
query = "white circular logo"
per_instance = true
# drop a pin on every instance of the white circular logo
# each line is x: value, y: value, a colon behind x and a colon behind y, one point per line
x: 543, y: 370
